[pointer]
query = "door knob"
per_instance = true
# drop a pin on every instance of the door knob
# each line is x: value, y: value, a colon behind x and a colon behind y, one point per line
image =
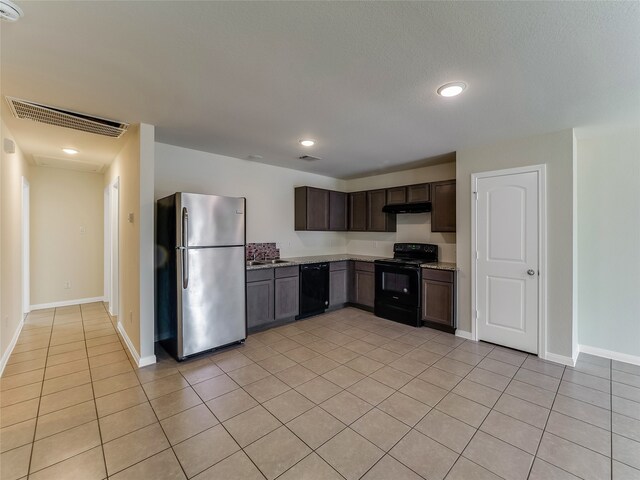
x: 531, y: 272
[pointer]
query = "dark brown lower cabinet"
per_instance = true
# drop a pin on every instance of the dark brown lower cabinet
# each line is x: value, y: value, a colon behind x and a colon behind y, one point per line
x: 287, y: 297
x: 260, y: 300
x: 338, y: 284
x: 364, y: 284
x: 438, y: 299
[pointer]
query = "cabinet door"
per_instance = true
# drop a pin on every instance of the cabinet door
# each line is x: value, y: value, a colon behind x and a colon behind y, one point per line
x: 437, y: 302
x: 259, y: 303
x: 418, y: 193
x: 337, y: 287
x: 358, y: 211
x: 287, y: 298
x: 364, y: 288
x: 396, y: 195
x: 317, y: 209
x: 338, y: 211
x: 443, y: 210
x: 376, y: 218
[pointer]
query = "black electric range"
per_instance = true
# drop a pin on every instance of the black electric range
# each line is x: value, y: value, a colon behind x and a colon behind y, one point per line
x: 398, y: 295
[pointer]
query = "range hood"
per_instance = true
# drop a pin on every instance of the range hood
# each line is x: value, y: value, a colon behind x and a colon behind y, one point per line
x: 418, y: 207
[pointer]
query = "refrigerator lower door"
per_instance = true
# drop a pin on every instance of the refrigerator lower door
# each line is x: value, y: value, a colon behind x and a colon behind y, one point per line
x: 213, y: 310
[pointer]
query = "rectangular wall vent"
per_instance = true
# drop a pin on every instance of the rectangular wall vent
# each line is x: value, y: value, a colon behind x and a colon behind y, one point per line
x: 63, y: 118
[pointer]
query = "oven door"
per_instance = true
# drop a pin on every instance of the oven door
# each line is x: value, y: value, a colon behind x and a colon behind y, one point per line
x: 397, y: 285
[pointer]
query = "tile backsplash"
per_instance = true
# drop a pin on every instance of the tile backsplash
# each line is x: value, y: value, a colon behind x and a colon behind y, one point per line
x: 262, y: 251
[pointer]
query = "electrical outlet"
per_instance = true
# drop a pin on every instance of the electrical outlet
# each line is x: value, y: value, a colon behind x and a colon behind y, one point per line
x: 83, y: 230
x: 67, y: 285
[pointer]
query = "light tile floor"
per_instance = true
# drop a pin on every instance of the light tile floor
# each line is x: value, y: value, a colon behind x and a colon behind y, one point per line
x: 342, y: 395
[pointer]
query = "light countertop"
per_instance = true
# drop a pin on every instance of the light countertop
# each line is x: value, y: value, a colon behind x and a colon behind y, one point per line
x: 340, y: 257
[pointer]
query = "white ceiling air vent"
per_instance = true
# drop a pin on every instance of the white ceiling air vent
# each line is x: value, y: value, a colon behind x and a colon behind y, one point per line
x: 9, y: 11
x: 309, y: 158
x: 64, y: 118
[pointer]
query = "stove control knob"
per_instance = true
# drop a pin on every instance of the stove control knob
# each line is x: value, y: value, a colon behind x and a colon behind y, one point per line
x: 405, y: 290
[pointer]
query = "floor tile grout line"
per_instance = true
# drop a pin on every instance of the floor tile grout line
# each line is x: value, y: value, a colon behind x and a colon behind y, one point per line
x: 477, y: 429
x: 157, y: 420
x: 95, y: 405
x: 35, y: 428
x: 545, y: 428
x: 163, y: 432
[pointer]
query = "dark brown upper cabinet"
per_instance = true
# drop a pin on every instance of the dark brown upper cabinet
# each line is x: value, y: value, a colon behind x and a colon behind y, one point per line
x: 396, y: 195
x: 418, y: 193
x: 408, y: 194
x: 311, y: 208
x: 358, y: 211
x: 377, y: 220
x: 443, y: 208
x: 338, y: 211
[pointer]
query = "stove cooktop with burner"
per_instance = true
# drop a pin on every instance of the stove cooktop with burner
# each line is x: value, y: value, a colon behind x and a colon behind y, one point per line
x: 412, y: 254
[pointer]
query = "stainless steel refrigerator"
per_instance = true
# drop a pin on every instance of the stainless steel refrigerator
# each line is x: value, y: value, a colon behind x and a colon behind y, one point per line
x: 200, y: 273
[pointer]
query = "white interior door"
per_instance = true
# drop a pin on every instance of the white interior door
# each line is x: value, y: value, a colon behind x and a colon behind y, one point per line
x: 507, y: 264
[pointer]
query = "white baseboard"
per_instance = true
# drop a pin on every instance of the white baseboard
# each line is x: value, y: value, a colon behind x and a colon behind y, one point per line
x: 463, y: 334
x: 67, y: 303
x: 141, y: 362
x: 601, y: 352
x: 562, y: 359
x: 10, y: 347
x: 148, y: 360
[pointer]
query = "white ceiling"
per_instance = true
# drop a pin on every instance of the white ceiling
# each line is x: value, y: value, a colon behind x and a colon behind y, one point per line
x: 252, y: 78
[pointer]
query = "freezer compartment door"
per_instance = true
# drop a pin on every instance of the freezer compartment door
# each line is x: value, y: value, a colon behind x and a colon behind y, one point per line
x: 213, y: 311
x: 207, y: 220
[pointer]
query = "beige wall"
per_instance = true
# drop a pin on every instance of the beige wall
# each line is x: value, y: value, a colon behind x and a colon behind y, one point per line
x: 66, y: 235
x: 270, y: 203
x: 609, y: 240
x: 268, y: 190
x: 12, y: 168
x: 555, y: 150
x: 410, y: 227
x: 126, y: 168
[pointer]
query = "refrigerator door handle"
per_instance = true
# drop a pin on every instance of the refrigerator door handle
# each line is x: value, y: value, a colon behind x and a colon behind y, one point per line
x: 185, y: 249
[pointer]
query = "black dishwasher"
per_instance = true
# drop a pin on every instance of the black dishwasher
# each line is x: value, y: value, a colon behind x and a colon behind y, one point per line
x: 314, y: 289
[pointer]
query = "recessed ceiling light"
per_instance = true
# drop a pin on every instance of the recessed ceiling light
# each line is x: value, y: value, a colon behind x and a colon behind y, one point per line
x: 9, y: 11
x: 307, y: 142
x: 70, y: 151
x: 451, y: 89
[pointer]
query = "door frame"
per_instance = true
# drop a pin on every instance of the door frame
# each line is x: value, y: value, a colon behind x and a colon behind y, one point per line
x: 26, y: 245
x: 111, y: 246
x: 542, y: 248
x: 107, y: 244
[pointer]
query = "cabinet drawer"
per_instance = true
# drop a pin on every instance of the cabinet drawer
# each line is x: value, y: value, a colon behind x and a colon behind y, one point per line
x: 333, y: 266
x: 282, y: 272
x: 259, y: 275
x: 438, y: 275
x: 365, y: 266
